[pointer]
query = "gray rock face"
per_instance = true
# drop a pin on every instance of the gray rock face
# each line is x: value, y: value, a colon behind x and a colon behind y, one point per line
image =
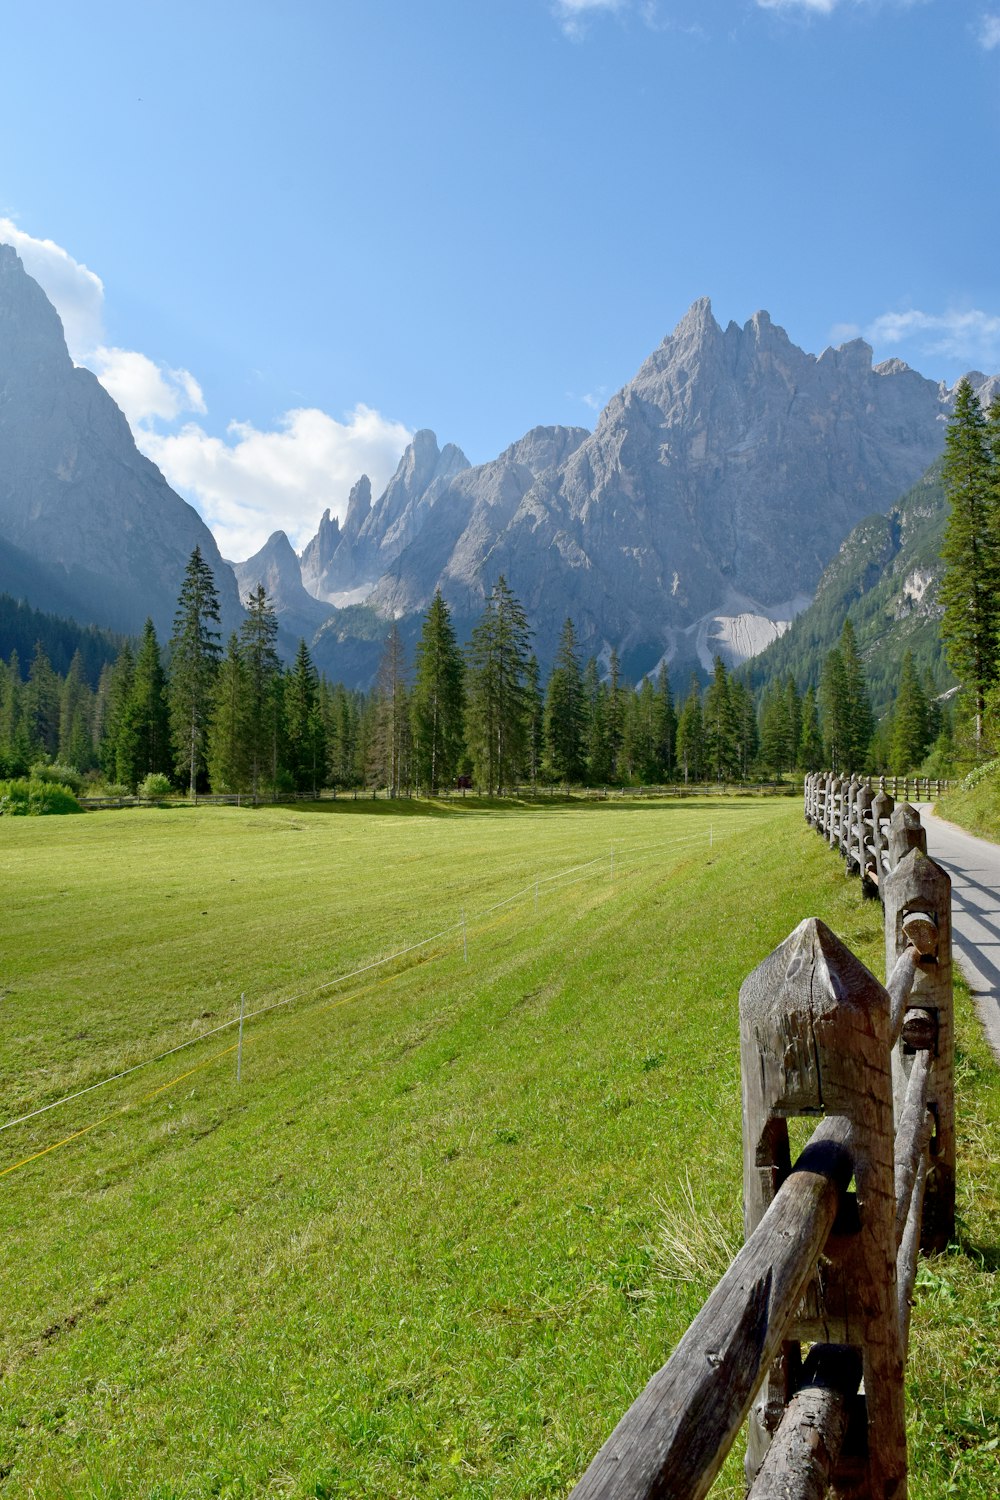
x: 277, y: 568
x: 714, y: 489
x: 373, y: 536
x: 75, y: 492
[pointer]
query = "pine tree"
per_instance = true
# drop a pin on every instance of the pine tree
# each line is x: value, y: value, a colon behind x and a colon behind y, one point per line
x: 614, y: 717
x: 438, y: 705
x: 777, y: 742
x: 691, y: 734
x: 75, y: 717
x: 262, y: 670
x: 565, y: 712
x: 909, y: 739
x: 970, y: 588
x: 41, y: 704
x: 194, y: 660
x: 498, y: 659
x: 810, y: 748
x: 304, y: 728
x: 835, y: 709
x: 143, y: 733
x: 744, y: 719
x: 642, y: 748
x: 860, y: 720
x: 534, y: 709
x: 227, y: 752
x: 392, y: 716
x: 15, y: 751
x: 665, y: 727
x: 595, y: 738
x: 114, y: 695
x: 720, y: 729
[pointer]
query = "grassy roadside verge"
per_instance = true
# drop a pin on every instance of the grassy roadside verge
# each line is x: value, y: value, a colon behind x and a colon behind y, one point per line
x: 430, y: 1247
x: 976, y: 810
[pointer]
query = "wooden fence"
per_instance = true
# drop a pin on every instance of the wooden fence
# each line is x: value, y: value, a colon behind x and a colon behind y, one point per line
x: 806, y: 1335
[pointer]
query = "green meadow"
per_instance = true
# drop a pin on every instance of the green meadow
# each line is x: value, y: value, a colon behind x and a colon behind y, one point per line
x: 461, y: 1204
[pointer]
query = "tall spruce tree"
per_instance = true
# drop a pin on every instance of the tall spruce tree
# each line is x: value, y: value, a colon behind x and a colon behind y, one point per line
x: 909, y: 738
x: 720, y: 728
x: 810, y: 748
x: 498, y: 660
x: 565, y: 712
x: 534, y: 712
x: 691, y: 734
x: 305, y: 732
x: 438, y: 701
x: 194, y: 660
x: 970, y: 587
x: 262, y: 669
x: 144, y: 732
x: 227, y: 752
x: 41, y: 704
x: 391, y: 744
x: 665, y: 726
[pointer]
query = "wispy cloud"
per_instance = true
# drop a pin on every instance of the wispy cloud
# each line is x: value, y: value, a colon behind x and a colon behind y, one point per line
x: 246, y: 484
x: 969, y: 336
x: 573, y: 15
x: 818, y: 7
x: 989, y: 32
x: 827, y: 7
x: 252, y: 481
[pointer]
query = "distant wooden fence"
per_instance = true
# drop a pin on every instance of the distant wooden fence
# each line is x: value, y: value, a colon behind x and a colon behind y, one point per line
x: 831, y: 1241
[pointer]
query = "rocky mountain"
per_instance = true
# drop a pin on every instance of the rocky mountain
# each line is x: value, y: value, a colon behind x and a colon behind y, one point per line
x: 106, y: 538
x: 697, y: 517
x: 884, y: 578
x: 277, y: 567
x: 349, y: 561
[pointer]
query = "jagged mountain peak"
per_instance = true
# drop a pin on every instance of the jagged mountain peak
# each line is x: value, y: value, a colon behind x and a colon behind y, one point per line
x: 75, y: 492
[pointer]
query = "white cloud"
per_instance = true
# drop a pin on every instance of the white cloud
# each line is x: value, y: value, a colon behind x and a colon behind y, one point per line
x: 989, y: 32
x: 820, y: 7
x: 573, y: 15
x: 73, y: 289
x: 970, y: 336
x: 827, y: 7
x: 253, y: 482
x: 143, y: 389
x: 250, y: 482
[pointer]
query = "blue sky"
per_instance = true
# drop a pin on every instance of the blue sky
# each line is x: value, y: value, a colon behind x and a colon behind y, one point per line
x: 286, y: 238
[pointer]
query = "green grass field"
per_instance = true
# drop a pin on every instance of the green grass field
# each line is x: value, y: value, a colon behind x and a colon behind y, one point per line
x: 457, y: 1212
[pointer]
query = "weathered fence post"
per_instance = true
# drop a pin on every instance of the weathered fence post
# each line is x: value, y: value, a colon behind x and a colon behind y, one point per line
x: 918, y: 913
x: 906, y: 832
x: 814, y: 1039
x: 835, y: 802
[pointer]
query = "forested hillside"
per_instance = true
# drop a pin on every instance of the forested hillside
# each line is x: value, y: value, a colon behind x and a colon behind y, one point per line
x: 885, y: 581
x: 22, y: 628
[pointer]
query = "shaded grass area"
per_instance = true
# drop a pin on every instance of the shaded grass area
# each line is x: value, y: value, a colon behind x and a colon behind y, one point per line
x: 456, y: 1214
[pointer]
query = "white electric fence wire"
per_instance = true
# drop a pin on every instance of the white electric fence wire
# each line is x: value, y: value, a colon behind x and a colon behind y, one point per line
x: 315, y: 989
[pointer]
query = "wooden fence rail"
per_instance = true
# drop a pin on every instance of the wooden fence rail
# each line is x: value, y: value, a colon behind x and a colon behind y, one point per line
x: 806, y: 1335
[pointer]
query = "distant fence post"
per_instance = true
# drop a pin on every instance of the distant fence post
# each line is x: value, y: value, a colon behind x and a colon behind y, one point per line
x: 918, y: 914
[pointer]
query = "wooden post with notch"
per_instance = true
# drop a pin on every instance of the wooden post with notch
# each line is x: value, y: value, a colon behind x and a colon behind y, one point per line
x: 814, y: 1040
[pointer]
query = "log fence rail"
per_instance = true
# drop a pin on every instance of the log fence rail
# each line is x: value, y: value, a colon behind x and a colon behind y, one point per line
x: 805, y: 1337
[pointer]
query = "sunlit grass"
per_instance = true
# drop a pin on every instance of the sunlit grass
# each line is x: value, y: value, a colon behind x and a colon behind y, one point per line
x: 433, y: 1244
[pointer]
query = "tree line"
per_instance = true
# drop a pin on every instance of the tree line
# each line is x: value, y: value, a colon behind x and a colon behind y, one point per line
x: 234, y: 719
x: 970, y: 587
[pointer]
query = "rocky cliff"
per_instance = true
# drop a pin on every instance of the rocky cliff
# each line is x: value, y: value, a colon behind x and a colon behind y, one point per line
x: 110, y: 539
x: 699, y: 514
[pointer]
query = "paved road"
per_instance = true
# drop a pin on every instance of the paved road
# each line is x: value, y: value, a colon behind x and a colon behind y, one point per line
x: 974, y: 867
